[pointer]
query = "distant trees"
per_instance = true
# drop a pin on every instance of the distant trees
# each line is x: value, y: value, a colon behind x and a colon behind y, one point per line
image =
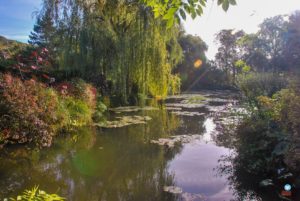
x: 272, y: 35
x: 291, y: 50
x: 228, y: 52
x: 194, y: 49
x: 274, y: 48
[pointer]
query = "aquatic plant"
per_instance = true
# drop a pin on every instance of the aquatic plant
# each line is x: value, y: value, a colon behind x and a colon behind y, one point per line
x: 35, y: 194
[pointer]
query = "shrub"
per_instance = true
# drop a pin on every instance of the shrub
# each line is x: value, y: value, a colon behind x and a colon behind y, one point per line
x: 28, y: 111
x: 77, y: 112
x: 98, y: 114
x: 260, y: 84
x: 79, y: 89
x: 32, y: 112
x: 284, y: 109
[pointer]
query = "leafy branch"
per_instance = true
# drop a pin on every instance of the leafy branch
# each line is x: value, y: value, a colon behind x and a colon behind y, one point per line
x: 174, y: 10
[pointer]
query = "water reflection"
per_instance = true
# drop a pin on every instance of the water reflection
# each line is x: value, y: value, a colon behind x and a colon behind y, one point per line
x: 122, y: 164
x: 253, y: 170
x: 113, y: 164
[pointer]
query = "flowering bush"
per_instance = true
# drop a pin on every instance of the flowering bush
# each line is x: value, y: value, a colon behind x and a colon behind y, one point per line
x: 28, y: 111
x: 32, y: 112
x: 79, y: 89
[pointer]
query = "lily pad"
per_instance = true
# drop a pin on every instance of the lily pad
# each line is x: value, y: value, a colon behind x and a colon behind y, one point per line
x: 170, y: 142
x: 184, y: 105
x: 132, y: 109
x: 173, y: 189
x: 125, y: 121
x: 187, y: 113
x: 192, y: 197
x: 174, y: 108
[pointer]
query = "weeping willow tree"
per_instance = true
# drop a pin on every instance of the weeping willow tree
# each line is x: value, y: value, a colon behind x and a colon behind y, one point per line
x: 119, y: 40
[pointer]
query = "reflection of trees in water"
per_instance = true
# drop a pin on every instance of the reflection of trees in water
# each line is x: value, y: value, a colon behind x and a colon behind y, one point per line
x: 113, y: 164
x: 253, y: 160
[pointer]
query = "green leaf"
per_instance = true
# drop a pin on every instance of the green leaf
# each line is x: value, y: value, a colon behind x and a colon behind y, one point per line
x: 203, y: 2
x: 194, y: 15
x: 232, y: 2
x: 199, y: 11
x: 170, y: 14
x: 182, y: 14
x: 220, y: 2
x: 170, y: 23
x: 187, y: 8
x: 246, y: 69
x: 225, y: 5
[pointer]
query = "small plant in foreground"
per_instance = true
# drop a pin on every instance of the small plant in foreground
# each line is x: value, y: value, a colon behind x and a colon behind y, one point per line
x: 36, y: 195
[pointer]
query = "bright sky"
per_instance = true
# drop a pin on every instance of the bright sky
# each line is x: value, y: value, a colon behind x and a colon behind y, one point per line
x: 247, y: 15
x: 16, y: 20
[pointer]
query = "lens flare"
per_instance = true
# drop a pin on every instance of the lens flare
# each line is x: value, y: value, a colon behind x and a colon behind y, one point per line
x: 198, y: 63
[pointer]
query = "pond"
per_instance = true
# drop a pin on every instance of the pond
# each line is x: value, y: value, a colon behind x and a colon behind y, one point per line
x: 169, y: 151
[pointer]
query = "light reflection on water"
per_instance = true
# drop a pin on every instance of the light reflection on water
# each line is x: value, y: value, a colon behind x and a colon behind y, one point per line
x: 194, y: 167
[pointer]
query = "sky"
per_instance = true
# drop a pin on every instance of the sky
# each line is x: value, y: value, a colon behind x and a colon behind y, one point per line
x: 246, y: 15
x: 16, y: 19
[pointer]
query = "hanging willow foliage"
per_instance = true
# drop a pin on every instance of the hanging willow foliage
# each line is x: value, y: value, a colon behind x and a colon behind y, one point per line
x: 119, y: 40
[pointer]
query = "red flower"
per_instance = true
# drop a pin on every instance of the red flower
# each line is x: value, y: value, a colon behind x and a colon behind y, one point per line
x: 34, y: 53
x: 46, y: 76
x: 94, y: 91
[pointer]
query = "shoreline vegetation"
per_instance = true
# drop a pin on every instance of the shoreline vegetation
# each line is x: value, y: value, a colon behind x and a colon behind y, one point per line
x: 84, y: 58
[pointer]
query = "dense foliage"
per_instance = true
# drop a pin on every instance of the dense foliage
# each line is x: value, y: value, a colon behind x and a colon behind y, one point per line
x: 265, y: 67
x: 114, y: 43
x: 32, y: 112
x: 194, y: 58
x: 273, y: 49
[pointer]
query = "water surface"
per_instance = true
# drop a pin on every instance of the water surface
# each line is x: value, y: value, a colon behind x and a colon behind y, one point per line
x: 122, y: 163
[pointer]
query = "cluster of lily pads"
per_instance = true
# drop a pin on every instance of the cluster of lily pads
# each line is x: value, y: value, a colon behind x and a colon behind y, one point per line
x: 173, y: 140
x: 185, y: 196
x: 119, y: 110
x: 125, y: 121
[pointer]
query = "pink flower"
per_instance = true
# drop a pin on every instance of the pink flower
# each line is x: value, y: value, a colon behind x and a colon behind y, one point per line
x: 40, y: 59
x: 45, y: 50
x: 33, y: 67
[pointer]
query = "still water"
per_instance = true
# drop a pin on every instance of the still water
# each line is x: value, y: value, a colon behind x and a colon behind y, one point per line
x: 113, y: 164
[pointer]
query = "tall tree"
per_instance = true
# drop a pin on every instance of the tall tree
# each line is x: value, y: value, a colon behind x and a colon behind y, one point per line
x: 120, y: 41
x: 271, y: 33
x: 250, y: 48
x: 228, y: 52
x: 291, y: 50
x: 43, y: 31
